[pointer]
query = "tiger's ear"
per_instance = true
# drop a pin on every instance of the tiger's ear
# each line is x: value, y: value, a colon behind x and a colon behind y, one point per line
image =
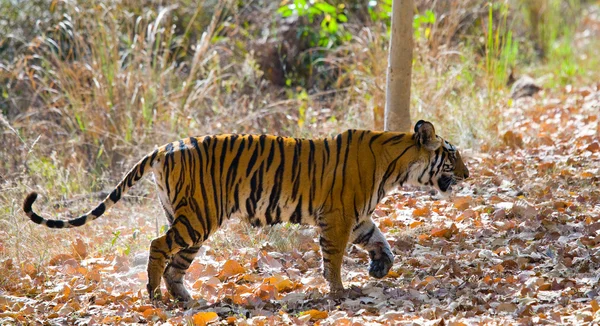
x: 425, y: 134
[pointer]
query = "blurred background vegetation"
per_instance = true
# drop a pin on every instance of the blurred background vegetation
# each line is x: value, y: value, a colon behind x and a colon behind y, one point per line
x: 88, y: 87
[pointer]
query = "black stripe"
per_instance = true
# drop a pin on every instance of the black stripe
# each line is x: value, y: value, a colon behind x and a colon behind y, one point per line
x: 115, y: 195
x: 36, y: 218
x: 78, y: 221
x: 141, y: 167
x: 250, y: 140
x: 394, y: 139
x: 233, y: 141
x: 252, y: 160
x: 98, y: 210
x: 190, y: 229
x: 232, y: 171
x: 179, y: 239
x: 364, y: 238
x: 297, y: 215
x: 55, y: 224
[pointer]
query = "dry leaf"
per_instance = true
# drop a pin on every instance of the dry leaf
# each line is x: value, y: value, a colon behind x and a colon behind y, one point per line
x: 79, y: 249
x: 422, y: 211
x: 281, y: 283
x: 595, y: 306
x: 415, y: 224
x: 202, y: 318
x: 61, y: 259
x: 230, y: 268
x: 462, y: 203
x: 512, y: 139
x: 506, y: 307
x: 152, y: 313
x: 524, y: 209
x: 315, y: 314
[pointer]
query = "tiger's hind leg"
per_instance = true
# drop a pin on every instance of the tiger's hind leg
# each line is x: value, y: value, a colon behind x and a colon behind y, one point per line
x: 368, y: 236
x: 175, y: 272
x: 180, y: 237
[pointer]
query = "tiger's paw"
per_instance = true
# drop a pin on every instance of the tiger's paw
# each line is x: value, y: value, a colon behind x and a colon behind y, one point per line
x: 155, y: 295
x: 177, y: 291
x: 380, y: 264
x: 181, y: 296
x: 351, y: 293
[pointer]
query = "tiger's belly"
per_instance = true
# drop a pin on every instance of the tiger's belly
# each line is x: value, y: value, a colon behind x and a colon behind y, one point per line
x: 265, y: 213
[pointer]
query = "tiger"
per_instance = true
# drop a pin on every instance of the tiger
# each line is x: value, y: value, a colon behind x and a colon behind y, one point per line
x: 332, y: 183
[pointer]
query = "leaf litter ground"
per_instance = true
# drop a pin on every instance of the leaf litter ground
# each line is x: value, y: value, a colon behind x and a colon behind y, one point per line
x: 518, y: 243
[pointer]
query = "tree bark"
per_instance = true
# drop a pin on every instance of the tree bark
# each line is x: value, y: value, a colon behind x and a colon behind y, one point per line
x: 397, y: 106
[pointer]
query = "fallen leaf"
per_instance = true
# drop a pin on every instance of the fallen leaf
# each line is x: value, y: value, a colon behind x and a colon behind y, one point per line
x: 230, y: 268
x: 415, y: 224
x: 158, y: 312
x: 79, y: 249
x: 441, y: 233
x: 61, y: 259
x: 595, y: 306
x: 524, y: 209
x: 422, y: 211
x: 462, y: 203
x: 315, y: 314
x: 204, y: 317
x: 506, y: 307
x: 281, y: 283
x: 593, y: 147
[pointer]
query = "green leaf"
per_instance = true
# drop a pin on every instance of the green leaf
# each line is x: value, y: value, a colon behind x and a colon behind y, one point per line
x: 285, y: 11
x: 312, y: 11
x: 300, y: 7
x: 282, y: 9
x: 342, y: 18
x: 325, y: 7
x: 333, y: 26
x: 430, y: 16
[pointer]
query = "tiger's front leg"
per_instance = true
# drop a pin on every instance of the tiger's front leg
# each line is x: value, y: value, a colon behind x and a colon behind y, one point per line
x: 335, y: 233
x: 368, y: 236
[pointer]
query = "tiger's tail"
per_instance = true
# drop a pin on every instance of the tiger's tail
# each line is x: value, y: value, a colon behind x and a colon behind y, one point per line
x: 135, y: 174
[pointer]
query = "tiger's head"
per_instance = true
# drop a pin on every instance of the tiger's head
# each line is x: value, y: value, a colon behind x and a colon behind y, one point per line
x: 445, y: 166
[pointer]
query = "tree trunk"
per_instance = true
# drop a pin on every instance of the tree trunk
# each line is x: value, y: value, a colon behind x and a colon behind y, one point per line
x: 397, y: 106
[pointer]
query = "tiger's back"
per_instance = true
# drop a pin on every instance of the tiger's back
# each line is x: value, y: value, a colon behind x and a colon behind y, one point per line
x: 263, y: 179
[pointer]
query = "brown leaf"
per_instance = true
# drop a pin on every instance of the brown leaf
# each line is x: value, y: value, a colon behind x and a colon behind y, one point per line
x: 415, y: 224
x: 62, y: 259
x: 152, y: 312
x: 524, y: 209
x: 422, y: 211
x: 315, y: 314
x: 266, y: 292
x: 79, y: 249
x: 462, y: 203
x: 204, y: 317
x: 593, y: 147
x: 512, y: 139
x: 281, y: 283
x: 230, y: 268
x: 268, y: 262
x: 506, y: 307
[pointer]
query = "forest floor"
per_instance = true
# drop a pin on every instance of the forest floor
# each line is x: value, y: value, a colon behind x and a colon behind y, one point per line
x: 519, y: 242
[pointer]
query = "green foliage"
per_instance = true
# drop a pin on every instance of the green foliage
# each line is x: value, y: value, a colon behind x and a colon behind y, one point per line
x: 51, y: 175
x: 422, y: 25
x: 552, y: 25
x: 330, y: 32
x: 380, y: 10
x: 500, y: 49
